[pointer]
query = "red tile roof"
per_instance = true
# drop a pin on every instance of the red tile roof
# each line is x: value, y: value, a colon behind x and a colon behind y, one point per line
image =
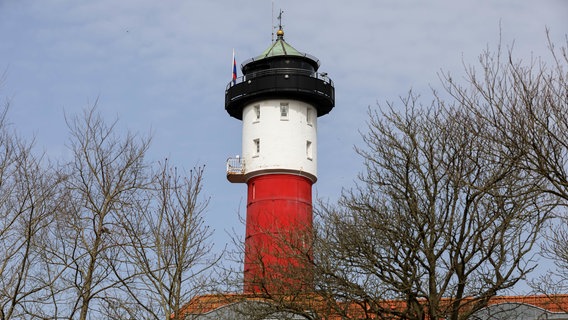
x: 207, y: 303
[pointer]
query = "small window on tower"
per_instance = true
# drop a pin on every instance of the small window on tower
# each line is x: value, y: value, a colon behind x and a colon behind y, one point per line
x: 284, y: 111
x: 309, y: 152
x: 257, y: 112
x: 256, y: 147
x: 309, y: 116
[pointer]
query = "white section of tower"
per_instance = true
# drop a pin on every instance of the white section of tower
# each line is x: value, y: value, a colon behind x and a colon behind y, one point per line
x: 280, y: 136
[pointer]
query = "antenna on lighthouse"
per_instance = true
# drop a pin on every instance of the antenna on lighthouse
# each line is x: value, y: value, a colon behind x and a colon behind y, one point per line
x: 279, y: 27
x: 280, y: 20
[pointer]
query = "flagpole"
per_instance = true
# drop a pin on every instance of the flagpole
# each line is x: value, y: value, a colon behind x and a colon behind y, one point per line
x: 234, y: 68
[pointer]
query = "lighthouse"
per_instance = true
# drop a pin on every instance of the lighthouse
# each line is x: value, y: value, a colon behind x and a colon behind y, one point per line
x: 278, y: 99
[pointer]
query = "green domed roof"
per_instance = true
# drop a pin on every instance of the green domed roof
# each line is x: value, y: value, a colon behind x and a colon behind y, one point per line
x: 279, y: 48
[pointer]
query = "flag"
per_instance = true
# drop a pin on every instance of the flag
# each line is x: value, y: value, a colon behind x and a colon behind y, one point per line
x: 234, y: 68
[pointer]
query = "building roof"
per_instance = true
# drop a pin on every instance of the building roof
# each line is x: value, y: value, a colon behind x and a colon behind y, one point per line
x: 231, y: 306
x: 552, y: 303
x: 525, y: 308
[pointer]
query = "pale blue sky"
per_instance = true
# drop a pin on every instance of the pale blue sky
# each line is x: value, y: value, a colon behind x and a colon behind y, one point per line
x: 161, y: 67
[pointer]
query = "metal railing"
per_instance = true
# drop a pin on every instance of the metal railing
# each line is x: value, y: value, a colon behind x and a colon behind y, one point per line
x: 235, y: 166
x: 282, y: 71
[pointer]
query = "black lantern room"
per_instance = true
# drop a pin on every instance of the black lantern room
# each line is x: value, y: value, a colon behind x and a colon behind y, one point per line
x: 280, y: 72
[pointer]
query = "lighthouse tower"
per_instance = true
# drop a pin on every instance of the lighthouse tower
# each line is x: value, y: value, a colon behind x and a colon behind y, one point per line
x: 278, y: 99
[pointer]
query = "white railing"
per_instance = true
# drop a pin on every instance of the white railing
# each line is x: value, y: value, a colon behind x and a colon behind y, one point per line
x: 235, y: 166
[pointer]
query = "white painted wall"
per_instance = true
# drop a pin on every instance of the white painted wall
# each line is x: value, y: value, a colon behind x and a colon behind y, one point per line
x: 282, y: 140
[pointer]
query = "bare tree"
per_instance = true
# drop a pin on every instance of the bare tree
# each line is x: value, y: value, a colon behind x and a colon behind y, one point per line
x: 437, y: 224
x: 170, y: 246
x: 526, y: 105
x: 103, y: 181
x: 102, y: 235
x: 27, y: 191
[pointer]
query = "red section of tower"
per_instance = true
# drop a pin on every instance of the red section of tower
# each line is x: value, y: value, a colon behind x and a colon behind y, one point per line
x: 278, y: 234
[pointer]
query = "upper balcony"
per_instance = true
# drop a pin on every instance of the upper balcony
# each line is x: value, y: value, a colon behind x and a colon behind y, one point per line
x: 236, y: 170
x: 311, y: 87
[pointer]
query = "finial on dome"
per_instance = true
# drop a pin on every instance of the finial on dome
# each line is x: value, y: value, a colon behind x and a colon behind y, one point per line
x: 280, y: 32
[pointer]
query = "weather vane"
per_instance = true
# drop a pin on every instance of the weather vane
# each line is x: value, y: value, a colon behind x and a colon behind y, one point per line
x: 279, y: 21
